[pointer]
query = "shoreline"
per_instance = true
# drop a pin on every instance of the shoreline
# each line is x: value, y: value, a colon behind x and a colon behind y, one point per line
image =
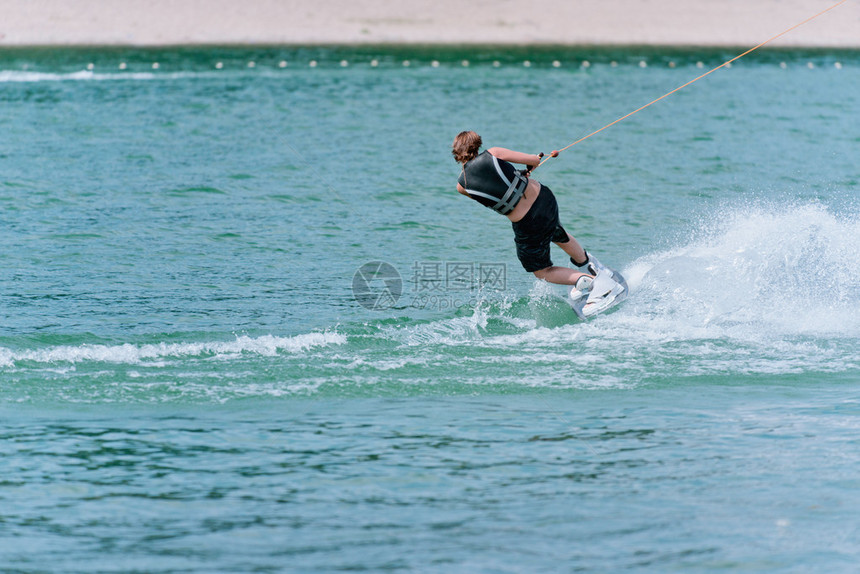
x: 476, y: 46
x: 452, y: 50
x: 513, y: 23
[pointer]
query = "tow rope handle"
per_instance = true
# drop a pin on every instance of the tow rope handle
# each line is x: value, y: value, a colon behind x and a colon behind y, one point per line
x: 541, y: 160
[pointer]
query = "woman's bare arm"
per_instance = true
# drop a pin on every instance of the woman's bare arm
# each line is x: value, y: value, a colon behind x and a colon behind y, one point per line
x: 512, y: 156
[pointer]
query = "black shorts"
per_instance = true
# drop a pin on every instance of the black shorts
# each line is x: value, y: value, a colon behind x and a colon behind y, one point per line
x: 534, y: 232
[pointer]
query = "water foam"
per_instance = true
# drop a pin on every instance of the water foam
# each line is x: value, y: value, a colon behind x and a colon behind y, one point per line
x: 755, y: 290
x: 132, y: 354
x: 26, y: 76
x: 29, y: 76
x: 760, y: 270
x: 760, y: 289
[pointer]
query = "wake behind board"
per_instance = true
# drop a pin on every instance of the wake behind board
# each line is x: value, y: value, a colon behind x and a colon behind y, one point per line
x: 578, y: 299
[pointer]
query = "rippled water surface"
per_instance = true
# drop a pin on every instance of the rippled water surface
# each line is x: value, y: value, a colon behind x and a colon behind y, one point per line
x: 188, y: 382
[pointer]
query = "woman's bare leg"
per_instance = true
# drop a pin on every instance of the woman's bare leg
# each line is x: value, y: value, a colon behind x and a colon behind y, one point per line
x: 573, y: 248
x: 560, y: 275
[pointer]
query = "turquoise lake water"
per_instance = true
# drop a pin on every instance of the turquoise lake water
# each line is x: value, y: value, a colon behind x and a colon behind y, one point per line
x: 194, y: 378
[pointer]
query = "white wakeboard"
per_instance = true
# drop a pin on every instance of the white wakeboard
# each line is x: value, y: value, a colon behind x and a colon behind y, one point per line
x: 585, y: 303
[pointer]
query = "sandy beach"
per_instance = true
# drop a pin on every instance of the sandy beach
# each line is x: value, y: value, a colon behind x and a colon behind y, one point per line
x: 301, y: 22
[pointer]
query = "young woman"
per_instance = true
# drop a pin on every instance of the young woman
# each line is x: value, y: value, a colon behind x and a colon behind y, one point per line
x: 491, y: 180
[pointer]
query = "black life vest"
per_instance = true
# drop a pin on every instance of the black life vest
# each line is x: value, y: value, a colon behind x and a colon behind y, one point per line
x: 493, y: 182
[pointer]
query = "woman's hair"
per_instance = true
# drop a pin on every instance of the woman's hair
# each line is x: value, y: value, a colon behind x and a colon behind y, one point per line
x: 466, y: 146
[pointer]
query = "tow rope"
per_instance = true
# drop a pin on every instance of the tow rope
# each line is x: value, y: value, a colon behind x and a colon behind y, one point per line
x: 666, y: 95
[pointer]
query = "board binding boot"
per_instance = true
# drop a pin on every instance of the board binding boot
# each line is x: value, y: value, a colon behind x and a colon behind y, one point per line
x: 604, y: 290
x: 591, y: 265
x: 581, y: 288
x: 583, y: 285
